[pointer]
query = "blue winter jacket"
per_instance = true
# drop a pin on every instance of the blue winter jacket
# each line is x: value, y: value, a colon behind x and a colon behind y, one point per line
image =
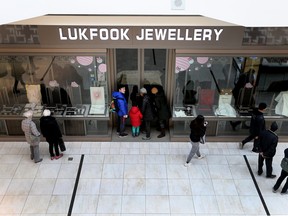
x: 121, y: 102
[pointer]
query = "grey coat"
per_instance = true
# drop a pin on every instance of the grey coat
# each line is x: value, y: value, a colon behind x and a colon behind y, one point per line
x: 29, y: 128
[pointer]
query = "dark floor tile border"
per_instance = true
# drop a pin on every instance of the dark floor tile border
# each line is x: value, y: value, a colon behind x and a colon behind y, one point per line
x: 75, y: 186
x: 256, y: 185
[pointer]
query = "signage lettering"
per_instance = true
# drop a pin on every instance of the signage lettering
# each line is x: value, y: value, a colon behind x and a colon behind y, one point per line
x: 145, y: 34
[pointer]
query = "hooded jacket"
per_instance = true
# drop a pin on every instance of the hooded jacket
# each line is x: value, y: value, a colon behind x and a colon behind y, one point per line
x: 121, y: 102
x: 135, y: 116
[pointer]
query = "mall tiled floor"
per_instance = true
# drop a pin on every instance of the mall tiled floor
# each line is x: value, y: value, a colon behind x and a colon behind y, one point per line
x: 137, y: 178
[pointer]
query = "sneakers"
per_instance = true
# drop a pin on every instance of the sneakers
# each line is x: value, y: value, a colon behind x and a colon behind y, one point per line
x: 161, y: 135
x: 273, y: 190
x: 201, y: 157
x: 57, y: 157
x: 271, y: 176
x: 187, y: 164
x: 284, y: 193
x: 241, y: 145
x: 146, y: 138
x: 52, y: 158
x: 123, y: 135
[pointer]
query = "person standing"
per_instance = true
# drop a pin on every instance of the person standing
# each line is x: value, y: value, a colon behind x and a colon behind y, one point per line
x: 198, y: 130
x: 51, y: 131
x: 268, y: 141
x: 162, y: 109
x: 135, y: 119
x: 147, y: 112
x: 284, y: 174
x: 32, y: 136
x: 122, y: 110
x: 257, y: 125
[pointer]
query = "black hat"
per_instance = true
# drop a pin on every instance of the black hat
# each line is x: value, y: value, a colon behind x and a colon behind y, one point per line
x: 262, y: 106
x: 274, y: 126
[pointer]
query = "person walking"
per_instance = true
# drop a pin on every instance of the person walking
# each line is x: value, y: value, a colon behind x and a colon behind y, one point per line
x: 268, y: 141
x: 198, y: 130
x: 162, y: 109
x: 135, y: 119
x: 51, y: 131
x: 32, y: 136
x: 257, y: 125
x: 284, y: 174
x: 122, y: 110
x: 147, y: 112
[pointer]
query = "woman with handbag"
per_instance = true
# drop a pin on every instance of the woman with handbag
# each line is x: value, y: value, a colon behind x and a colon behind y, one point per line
x: 197, y: 134
x: 32, y: 136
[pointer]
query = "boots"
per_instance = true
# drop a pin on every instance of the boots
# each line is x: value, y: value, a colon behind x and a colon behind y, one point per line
x: 162, y: 134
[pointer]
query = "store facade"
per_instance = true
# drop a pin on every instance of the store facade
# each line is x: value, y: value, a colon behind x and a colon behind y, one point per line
x: 71, y: 65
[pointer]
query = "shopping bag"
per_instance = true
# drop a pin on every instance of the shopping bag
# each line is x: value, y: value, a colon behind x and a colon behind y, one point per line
x: 62, y: 144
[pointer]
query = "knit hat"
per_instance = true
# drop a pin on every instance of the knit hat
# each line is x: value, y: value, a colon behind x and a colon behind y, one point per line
x: 274, y: 126
x: 46, y: 112
x: 28, y: 114
x: 143, y: 91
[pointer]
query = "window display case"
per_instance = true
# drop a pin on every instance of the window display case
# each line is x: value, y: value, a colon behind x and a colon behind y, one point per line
x: 61, y: 84
x: 226, y: 90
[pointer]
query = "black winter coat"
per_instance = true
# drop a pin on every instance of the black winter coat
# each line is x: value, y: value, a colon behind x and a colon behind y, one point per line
x: 257, y: 123
x: 197, y: 131
x: 268, y: 143
x: 147, y: 109
x: 50, y: 128
x: 162, y: 107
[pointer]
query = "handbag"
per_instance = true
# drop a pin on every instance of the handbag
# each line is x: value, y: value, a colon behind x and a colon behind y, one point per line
x: 61, y: 144
x: 203, y: 139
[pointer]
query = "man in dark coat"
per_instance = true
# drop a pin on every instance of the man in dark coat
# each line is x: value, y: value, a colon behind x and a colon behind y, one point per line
x: 51, y: 131
x: 257, y: 125
x: 122, y: 112
x: 147, y: 111
x: 267, y: 147
x: 162, y: 109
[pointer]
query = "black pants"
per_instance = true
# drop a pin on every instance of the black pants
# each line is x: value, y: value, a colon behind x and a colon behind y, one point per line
x: 121, y: 124
x: 148, y: 128
x: 283, y: 175
x: 268, y: 162
x: 53, y: 145
x: 248, y: 139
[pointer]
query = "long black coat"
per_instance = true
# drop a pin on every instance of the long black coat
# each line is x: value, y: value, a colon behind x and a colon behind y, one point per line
x: 257, y: 123
x: 50, y: 128
x: 162, y: 107
x: 147, y: 109
x: 268, y: 143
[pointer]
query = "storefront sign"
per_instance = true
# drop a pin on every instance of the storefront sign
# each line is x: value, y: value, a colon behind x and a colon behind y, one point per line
x: 145, y: 34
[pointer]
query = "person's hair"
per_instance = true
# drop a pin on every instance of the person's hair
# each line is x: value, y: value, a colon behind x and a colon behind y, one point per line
x: 200, y: 119
x: 262, y: 106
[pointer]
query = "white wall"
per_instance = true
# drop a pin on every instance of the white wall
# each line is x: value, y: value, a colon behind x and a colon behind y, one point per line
x: 242, y: 12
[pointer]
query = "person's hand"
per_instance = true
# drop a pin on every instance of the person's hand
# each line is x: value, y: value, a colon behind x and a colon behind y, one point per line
x: 125, y: 116
x: 205, y: 123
